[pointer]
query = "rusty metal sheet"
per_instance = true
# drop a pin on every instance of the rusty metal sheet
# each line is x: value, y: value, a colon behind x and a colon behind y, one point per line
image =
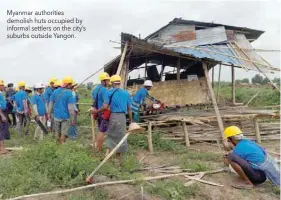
x: 175, y: 33
x: 205, y: 36
x: 230, y: 35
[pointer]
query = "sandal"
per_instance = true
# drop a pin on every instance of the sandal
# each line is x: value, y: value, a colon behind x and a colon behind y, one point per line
x: 242, y: 186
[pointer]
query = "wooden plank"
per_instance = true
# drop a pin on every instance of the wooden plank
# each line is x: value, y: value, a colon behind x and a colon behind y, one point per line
x: 187, y: 143
x: 149, y: 137
x: 219, y: 82
x: 178, y: 68
x: 124, y: 73
x: 220, y: 122
x: 257, y: 130
x: 233, y: 83
x: 122, y: 59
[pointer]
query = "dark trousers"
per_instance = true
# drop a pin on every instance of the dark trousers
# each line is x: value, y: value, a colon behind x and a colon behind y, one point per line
x: 13, y: 118
x: 256, y: 176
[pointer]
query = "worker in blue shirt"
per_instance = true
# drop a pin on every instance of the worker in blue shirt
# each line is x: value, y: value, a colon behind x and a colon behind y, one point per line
x: 139, y: 99
x: 62, y: 105
x: 10, y: 104
x: 73, y: 131
x: 49, y: 90
x: 39, y: 109
x: 120, y: 104
x: 4, y: 125
x: 20, y: 99
x: 100, y: 96
x: 250, y: 161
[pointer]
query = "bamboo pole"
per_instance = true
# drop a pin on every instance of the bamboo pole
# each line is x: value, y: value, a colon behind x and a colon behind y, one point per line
x: 93, y: 122
x: 145, y: 70
x: 233, y: 83
x: 187, y: 143
x: 122, y: 58
x: 255, y: 64
x: 149, y: 136
x: 252, y: 99
x: 219, y: 82
x: 113, y: 183
x: 220, y: 122
x: 257, y: 130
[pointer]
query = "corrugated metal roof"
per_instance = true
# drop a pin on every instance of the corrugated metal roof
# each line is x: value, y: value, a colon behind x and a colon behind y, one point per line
x: 211, y: 52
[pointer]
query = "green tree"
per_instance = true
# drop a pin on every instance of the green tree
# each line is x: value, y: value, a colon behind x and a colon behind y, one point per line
x: 245, y: 80
x: 265, y: 81
x: 276, y: 81
x: 257, y: 79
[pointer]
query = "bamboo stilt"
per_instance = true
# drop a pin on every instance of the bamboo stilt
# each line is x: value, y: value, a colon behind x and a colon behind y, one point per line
x: 149, y: 136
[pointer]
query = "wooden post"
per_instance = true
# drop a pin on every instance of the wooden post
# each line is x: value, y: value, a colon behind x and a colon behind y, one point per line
x: 145, y: 68
x: 93, y: 121
x: 124, y: 73
x: 257, y: 130
x: 213, y: 77
x: 122, y: 59
x: 187, y: 143
x: 219, y: 82
x: 233, y: 84
x: 220, y: 122
x: 149, y: 136
x: 178, y: 68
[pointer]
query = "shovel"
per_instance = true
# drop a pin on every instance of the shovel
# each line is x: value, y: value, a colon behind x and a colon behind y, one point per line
x: 133, y: 128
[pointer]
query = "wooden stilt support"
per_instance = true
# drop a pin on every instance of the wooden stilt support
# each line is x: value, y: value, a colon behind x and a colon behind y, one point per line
x: 233, y: 84
x: 93, y: 132
x: 187, y: 143
x: 220, y: 122
x: 145, y: 68
x: 219, y: 82
x: 178, y: 68
x: 213, y: 77
x: 149, y: 137
x: 257, y: 130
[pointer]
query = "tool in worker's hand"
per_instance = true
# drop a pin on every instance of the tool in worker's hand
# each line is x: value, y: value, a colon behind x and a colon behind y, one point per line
x: 133, y: 128
x: 43, y: 128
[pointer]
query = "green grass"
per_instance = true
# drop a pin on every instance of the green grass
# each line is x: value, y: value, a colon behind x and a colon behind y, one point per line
x: 172, y: 190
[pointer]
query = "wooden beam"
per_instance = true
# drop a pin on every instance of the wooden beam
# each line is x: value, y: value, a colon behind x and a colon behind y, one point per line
x: 211, y: 91
x: 219, y: 82
x: 178, y: 68
x: 124, y: 73
x: 257, y: 130
x: 187, y: 143
x: 149, y: 137
x: 145, y: 68
x: 213, y: 77
x: 122, y: 59
x: 233, y: 83
x: 93, y: 121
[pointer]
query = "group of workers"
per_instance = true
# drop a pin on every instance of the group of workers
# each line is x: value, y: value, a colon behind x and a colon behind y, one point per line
x: 54, y: 107
x: 58, y: 104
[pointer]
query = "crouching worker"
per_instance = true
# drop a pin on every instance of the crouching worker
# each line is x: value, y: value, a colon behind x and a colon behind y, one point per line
x: 250, y: 161
x: 120, y: 105
x: 139, y: 99
x: 62, y: 102
x: 39, y: 109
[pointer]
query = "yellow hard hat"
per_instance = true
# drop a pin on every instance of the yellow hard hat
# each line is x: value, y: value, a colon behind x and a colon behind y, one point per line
x: 2, y: 82
x: 232, y: 131
x: 104, y: 76
x: 67, y: 80
x: 53, y: 80
x: 115, y: 78
x: 57, y: 83
x: 21, y: 84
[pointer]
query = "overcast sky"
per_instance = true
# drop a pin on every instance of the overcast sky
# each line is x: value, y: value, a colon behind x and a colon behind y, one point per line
x: 40, y: 59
